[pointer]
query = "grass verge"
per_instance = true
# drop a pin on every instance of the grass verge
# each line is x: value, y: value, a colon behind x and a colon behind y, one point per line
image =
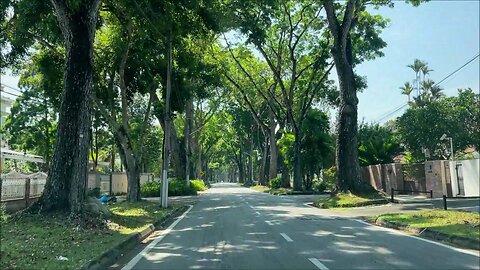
x: 36, y: 241
x: 458, y: 223
x: 261, y: 188
x: 343, y: 200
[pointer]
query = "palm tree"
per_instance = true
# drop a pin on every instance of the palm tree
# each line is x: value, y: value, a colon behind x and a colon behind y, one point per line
x: 425, y: 70
x: 436, y: 92
x: 407, y: 90
x: 418, y: 66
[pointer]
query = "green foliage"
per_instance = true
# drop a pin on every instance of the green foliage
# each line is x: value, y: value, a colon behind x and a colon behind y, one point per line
x: 198, y: 185
x: 179, y: 188
x: 150, y: 189
x: 377, y: 144
x: 275, y: 183
x: 3, y: 213
x: 421, y: 127
x: 175, y: 188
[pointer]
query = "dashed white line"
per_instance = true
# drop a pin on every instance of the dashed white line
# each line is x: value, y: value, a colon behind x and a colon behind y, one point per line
x: 258, y: 213
x: 269, y: 222
x: 286, y: 237
x: 318, y: 264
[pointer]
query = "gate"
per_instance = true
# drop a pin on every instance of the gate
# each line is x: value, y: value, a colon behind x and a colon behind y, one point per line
x: 414, y: 177
x: 461, y: 187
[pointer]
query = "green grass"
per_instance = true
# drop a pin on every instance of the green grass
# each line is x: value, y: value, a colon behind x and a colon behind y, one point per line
x: 343, y: 200
x: 457, y: 223
x: 260, y: 188
x: 34, y: 241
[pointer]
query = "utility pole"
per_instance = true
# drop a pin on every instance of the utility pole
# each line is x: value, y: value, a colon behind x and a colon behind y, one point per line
x: 166, y: 134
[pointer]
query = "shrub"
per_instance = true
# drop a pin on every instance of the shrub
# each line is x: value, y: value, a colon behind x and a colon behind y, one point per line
x: 3, y: 213
x: 319, y: 185
x: 150, y: 189
x: 198, y: 185
x: 175, y: 188
x: 179, y: 188
x: 275, y: 182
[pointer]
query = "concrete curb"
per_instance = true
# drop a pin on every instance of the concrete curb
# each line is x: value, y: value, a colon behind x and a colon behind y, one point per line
x: 113, y: 254
x: 459, y: 241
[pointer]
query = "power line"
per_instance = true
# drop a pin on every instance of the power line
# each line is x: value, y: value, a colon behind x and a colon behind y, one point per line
x: 11, y: 87
x: 436, y: 84
x: 458, y: 69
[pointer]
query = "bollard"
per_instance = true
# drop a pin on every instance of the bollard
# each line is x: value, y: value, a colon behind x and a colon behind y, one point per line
x: 444, y: 202
x: 392, y: 191
x: 431, y: 194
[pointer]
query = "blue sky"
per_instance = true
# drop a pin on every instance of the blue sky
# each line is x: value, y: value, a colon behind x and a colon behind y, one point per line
x: 443, y: 33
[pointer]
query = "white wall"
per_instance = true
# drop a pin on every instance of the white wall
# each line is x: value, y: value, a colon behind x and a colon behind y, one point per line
x: 471, y: 176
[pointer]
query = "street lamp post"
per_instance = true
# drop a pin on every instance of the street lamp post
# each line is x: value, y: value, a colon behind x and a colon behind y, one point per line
x: 444, y: 137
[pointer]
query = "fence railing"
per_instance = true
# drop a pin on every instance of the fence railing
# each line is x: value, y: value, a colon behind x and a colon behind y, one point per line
x: 21, y: 189
x: 392, y: 193
x: 445, y: 197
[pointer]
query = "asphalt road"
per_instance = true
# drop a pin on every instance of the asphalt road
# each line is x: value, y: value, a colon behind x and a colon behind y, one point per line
x: 231, y: 227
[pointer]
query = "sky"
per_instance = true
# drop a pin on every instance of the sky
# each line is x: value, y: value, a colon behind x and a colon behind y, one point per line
x: 445, y: 34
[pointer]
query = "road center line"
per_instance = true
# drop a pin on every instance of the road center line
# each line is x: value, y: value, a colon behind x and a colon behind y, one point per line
x: 164, y: 233
x: 269, y: 222
x: 318, y: 264
x: 286, y: 237
x: 258, y: 213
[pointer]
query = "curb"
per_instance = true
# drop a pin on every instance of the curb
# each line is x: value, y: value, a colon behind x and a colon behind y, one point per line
x: 113, y: 254
x: 460, y: 241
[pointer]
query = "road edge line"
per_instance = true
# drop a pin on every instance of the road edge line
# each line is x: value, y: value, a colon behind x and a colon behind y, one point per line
x: 465, y: 251
x: 162, y: 235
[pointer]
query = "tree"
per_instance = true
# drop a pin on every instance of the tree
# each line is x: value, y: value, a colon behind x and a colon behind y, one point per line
x: 407, y: 90
x: 420, y: 128
x: 350, y: 25
x: 377, y: 144
x: 67, y: 177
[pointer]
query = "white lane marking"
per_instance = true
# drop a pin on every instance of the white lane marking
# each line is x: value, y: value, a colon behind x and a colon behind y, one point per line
x: 318, y: 264
x: 286, y: 237
x: 269, y: 222
x: 251, y: 206
x: 470, y: 252
x: 258, y: 213
x: 162, y: 235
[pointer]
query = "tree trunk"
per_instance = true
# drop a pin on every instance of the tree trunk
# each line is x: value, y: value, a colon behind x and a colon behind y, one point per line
x: 272, y: 172
x: 285, y: 173
x: 67, y: 178
x: 241, y: 168
x: 188, y: 124
x: 130, y: 164
x: 297, y: 165
x: 263, y: 167
x: 348, y: 169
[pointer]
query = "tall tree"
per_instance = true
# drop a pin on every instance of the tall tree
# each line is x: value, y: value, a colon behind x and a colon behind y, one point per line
x: 67, y: 177
x: 349, y: 24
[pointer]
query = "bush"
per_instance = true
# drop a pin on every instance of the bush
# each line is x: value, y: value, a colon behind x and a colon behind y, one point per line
x: 275, y: 182
x: 319, y: 186
x: 179, y: 188
x: 198, y: 185
x: 150, y: 189
x: 3, y: 213
x: 175, y: 188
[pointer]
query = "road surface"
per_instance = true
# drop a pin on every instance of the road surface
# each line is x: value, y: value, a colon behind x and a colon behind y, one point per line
x: 232, y: 227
